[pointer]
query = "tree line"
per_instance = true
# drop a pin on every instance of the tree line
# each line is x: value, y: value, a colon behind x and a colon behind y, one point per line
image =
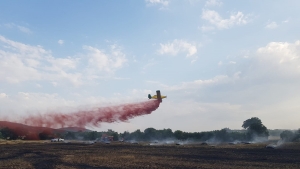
x: 288, y: 135
x: 252, y: 129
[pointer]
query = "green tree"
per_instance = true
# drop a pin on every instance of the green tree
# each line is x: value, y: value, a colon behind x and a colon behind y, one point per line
x: 136, y: 135
x: 254, y: 120
x: 115, y: 136
x: 287, y: 135
x: 168, y: 133
x: 255, y: 127
x: 179, y: 135
x: 150, y: 133
x: 1, y: 137
x: 164, y: 134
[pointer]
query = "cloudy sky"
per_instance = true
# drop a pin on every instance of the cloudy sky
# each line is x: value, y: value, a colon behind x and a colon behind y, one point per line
x: 219, y: 62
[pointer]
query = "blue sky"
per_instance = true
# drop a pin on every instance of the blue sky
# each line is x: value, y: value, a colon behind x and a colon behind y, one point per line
x: 219, y: 62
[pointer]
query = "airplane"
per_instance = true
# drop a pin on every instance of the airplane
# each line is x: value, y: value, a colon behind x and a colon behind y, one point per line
x: 157, y: 96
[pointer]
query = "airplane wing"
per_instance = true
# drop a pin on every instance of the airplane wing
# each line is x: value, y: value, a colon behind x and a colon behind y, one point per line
x: 154, y: 97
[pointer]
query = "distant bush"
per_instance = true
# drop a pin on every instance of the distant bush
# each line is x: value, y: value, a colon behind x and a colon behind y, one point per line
x: 8, y: 134
x: 287, y: 135
x: 45, y: 135
x: 70, y: 135
x: 91, y: 135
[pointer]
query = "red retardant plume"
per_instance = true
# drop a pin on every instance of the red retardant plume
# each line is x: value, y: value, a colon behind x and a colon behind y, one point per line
x: 93, y: 117
x: 21, y: 131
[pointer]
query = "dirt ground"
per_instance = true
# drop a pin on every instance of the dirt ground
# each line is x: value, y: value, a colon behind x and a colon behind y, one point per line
x: 22, y: 154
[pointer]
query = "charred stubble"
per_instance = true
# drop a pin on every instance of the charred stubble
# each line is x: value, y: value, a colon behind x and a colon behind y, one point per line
x: 125, y: 155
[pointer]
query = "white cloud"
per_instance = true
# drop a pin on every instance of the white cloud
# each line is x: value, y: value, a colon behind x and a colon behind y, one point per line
x: 61, y: 42
x: 33, y: 102
x: 266, y: 85
x: 26, y: 50
x: 158, y: 2
x: 207, y: 28
x: 216, y: 20
x: 281, y: 52
x: 20, y: 28
x: 13, y: 70
x: 149, y: 65
x: 282, y: 57
x: 176, y: 47
x: 237, y: 97
x: 24, y: 29
x: 286, y: 21
x: 21, y: 62
x: 100, y: 61
x: 54, y: 84
x: 276, y: 61
x: 271, y: 25
x: 2, y: 95
x: 213, y: 3
x: 203, y: 101
x: 198, y: 83
x: 59, y: 64
x: 38, y: 85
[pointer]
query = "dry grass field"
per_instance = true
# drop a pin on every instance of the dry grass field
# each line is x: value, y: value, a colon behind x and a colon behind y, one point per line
x: 40, y: 154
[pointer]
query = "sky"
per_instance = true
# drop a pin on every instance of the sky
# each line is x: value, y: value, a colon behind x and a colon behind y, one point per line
x: 219, y: 62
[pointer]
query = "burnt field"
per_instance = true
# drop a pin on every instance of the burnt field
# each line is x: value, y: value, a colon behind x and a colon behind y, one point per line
x: 125, y: 155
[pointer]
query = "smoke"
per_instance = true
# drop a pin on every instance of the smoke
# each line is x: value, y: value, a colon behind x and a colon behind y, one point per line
x: 92, y: 117
x: 276, y: 145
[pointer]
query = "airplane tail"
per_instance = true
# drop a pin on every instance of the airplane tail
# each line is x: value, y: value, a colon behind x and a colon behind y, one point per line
x: 149, y: 96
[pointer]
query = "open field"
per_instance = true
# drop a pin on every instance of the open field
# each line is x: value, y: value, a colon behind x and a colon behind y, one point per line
x: 22, y: 154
